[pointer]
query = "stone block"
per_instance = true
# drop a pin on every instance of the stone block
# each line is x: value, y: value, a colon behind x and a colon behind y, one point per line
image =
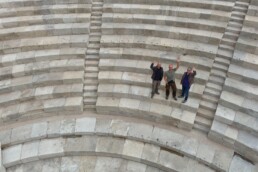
x: 39, y: 130
x: 172, y: 162
x: 70, y: 164
x: 205, y: 154
x: 51, y: 165
x: 135, y: 166
x: 119, y: 128
x: 222, y: 160
x: 74, y: 104
x: 190, y: 146
x: 133, y: 150
x: 21, y: 134
x: 80, y: 146
x: 30, y: 152
x: 53, y: 105
x: 239, y: 165
x: 159, y: 109
x: 12, y: 155
x: 85, y: 126
x: 225, y: 115
x: 53, y: 129
x: 49, y: 148
x: 140, y: 131
x: 128, y: 105
x: 109, y: 146
x: 67, y: 127
x: 150, y: 153
x: 44, y: 92
x: 103, y: 127
x: 196, y: 166
x: 187, y: 120
x: 5, y: 136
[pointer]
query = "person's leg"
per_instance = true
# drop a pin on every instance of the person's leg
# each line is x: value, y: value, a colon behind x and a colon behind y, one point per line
x: 183, y: 92
x: 153, y: 88
x: 186, y: 94
x: 167, y: 90
x: 157, y: 87
x: 173, y: 85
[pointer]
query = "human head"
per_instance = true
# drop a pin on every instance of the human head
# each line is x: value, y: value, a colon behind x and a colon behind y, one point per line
x: 189, y: 70
x: 170, y: 67
x: 158, y: 65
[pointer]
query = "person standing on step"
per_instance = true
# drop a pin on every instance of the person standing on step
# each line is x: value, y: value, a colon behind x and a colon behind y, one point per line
x: 169, y: 78
x: 157, y: 75
x: 186, y: 82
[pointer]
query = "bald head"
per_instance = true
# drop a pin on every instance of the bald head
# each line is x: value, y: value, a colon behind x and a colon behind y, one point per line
x: 170, y: 67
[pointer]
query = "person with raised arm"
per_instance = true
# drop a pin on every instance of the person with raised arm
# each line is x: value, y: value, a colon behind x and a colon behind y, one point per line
x: 157, y: 75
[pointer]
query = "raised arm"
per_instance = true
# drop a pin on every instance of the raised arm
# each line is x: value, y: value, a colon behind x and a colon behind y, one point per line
x: 152, y: 65
x: 177, y: 63
x: 194, y: 71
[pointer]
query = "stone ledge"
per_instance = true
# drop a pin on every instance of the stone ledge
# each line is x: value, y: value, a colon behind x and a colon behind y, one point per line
x: 202, y: 24
x: 180, y: 143
x: 161, y: 44
x: 44, y: 19
x: 41, y: 55
x: 183, y: 11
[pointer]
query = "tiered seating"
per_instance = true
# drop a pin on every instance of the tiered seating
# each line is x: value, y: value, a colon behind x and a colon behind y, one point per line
x: 135, y: 33
x: 43, y: 45
x: 161, y: 148
x: 236, y: 118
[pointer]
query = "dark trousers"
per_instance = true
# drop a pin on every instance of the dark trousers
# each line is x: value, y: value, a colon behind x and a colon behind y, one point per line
x: 172, y: 85
x: 185, y: 92
x: 155, y: 86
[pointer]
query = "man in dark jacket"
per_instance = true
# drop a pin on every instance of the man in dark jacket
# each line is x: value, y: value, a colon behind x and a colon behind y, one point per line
x: 157, y: 76
x: 186, y: 82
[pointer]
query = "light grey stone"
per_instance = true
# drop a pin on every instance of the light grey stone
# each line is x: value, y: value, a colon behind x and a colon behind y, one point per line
x: 39, y: 130
x: 119, y: 128
x: 12, y: 155
x: 205, y: 153
x: 171, y: 161
x: 33, y: 166
x: 85, y: 125
x: 196, y: 166
x: 80, y: 146
x: 51, y: 148
x: 21, y: 134
x: 88, y: 162
x: 225, y: 114
x: 107, y: 146
x: 133, y: 150
x: 140, y: 131
x: 67, y: 127
x: 103, y: 126
x: 135, y: 166
x: 51, y: 165
x: 240, y: 165
x: 70, y: 164
x: 5, y: 136
x: 30, y: 152
x: 189, y: 146
x: 150, y: 153
x: 53, y: 129
x: 222, y: 160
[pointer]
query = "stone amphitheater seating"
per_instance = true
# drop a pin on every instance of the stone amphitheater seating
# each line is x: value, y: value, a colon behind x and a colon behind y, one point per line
x: 115, y: 138
x: 43, y: 45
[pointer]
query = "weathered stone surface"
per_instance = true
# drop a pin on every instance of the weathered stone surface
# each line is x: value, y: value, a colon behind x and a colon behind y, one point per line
x: 67, y: 127
x: 239, y: 165
x: 5, y: 136
x: 205, y: 154
x: 142, y: 131
x: 108, y: 145
x: 21, y: 133
x: 85, y: 125
x: 190, y: 146
x: 30, y: 151
x: 135, y: 166
x: 133, y: 150
x: 12, y: 155
x: 2, y: 168
x: 51, y: 148
x: 51, y: 165
x: 39, y: 130
x: 53, y: 129
x: 150, y: 153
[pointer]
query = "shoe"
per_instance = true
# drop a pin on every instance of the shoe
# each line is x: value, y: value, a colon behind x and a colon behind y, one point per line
x: 166, y: 97
x: 175, y: 98
x: 157, y: 92
x: 152, y: 95
x: 181, y: 96
x: 184, y: 101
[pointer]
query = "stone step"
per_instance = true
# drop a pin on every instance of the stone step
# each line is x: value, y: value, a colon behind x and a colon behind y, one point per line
x: 95, y: 34
x: 209, y: 98
x: 90, y: 94
x: 238, y: 14
x: 230, y: 35
x: 226, y: 47
x: 234, y: 24
x: 95, y: 23
x: 89, y: 107
x: 92, y: 57
x: 90, y: 69
x: 92, y: 63
x: 96, y: 13
x: 94, y: 46
x: 216, y: 80
x: 225, y: 54
x: 221, y: 67
x: 229, y: 42
x: 218, y: 73
x: 222, y: 61
x: 208, y: 106
x: 240, y: 9
x: 242, y: 4
x: 237, y: 19
x: 96, y: 18
x: 203, y: 121
x: 212, y: 92
x: 91, y: 75
x: 201, y: 128
x: 89, y: 88
x: 94, y: 39
x: 91, y: 81
x: 97, y: 9
x: 92, y: 52
x: 90, y: 101
x: 95, y: 29
x: 233, y: 30
x: 213, y: 86
x: 205, y: 113
x: 97, y: 3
